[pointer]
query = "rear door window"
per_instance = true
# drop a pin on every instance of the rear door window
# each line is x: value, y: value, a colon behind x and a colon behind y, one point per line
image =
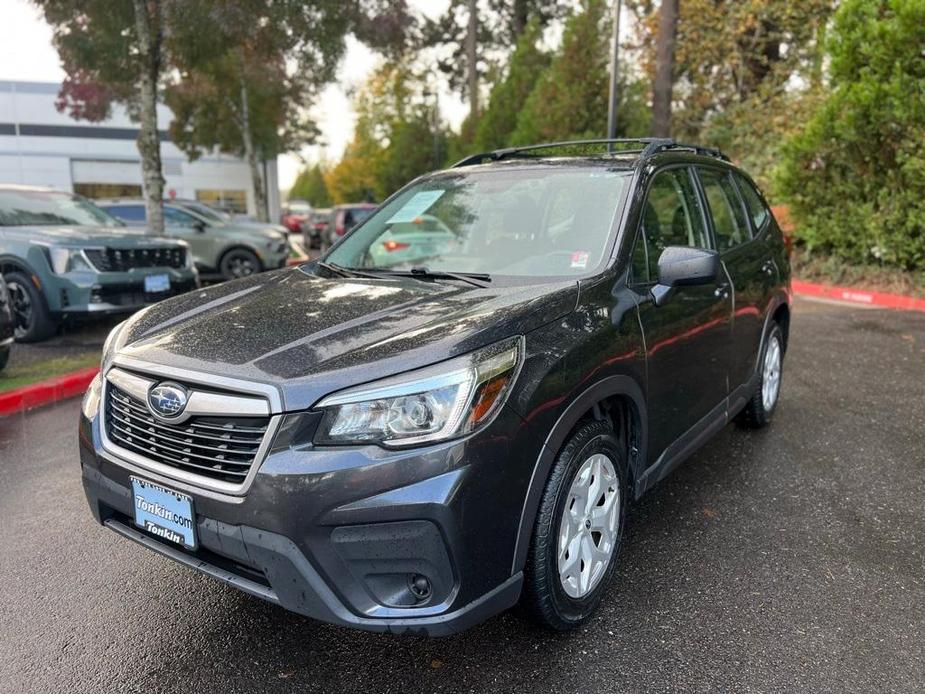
x: 757, y: 210
x: 726, y: 208
x: 128, y: 213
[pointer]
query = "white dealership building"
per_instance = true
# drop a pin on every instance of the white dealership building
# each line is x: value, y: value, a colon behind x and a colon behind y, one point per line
x: 40, y: 146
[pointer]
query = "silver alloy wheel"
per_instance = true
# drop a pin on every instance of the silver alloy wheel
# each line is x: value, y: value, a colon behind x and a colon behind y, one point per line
x: 589, y: 526
x: 241, y: 266
x: 770, y: 383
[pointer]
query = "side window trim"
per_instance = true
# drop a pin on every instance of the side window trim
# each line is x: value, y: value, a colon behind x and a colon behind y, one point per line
x: 701, y: 194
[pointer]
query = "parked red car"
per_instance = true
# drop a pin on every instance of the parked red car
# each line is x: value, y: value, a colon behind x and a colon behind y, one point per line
x: 295, y: 213
x: 345, y: 217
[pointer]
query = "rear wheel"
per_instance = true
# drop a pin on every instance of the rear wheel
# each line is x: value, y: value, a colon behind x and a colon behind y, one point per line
x: 578, y: 529
x: 31, y: 317
x: 239, y: 262
x: 760, y: 409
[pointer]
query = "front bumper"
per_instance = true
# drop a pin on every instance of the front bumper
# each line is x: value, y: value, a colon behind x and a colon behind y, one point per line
x: 338, y: 534
x: 112, y: 292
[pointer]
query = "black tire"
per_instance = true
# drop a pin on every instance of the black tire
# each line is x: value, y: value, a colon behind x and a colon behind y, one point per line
x: 544, y: 596
x: 30, y: 312
x: 758, y: 412
x: 4, y: 357
x: 238, y: 263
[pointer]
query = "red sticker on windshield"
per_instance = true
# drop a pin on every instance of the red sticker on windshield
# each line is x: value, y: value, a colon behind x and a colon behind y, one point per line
x: 580, y: 259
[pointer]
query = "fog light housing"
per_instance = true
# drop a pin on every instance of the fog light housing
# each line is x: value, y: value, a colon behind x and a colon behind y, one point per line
x: 420, y: 587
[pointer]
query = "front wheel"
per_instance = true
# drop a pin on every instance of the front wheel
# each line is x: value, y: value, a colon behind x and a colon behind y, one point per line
x: 31, y: 318
x: 760, y: 409
x: 579, y: 528
x: 238, y: 263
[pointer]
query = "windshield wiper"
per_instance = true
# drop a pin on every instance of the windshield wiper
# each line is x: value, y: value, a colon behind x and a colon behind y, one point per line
x: 347, y: 271
x: 476, y: 279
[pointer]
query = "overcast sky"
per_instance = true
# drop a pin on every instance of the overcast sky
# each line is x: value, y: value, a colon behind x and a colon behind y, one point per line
x: 26, y: 54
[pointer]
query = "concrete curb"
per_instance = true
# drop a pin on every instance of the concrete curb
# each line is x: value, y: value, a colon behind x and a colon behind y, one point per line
x: 47, y: 392
x: 858, y: 296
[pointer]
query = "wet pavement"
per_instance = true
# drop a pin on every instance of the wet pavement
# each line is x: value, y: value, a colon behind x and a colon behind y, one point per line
x: 791, y: 559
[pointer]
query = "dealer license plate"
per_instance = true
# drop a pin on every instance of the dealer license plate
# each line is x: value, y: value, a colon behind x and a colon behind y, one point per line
x: 157, y: 284
x: 164, y: 513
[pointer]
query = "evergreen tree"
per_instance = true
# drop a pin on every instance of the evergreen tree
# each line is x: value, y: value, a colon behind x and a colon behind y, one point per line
x: 508, y: 96
x: 855, y: 174
x: 570, y: 98
x: 309, y: 185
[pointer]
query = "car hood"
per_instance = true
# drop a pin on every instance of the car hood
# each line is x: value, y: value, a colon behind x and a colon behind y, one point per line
x: 310, y: 335
x: 111, y: 237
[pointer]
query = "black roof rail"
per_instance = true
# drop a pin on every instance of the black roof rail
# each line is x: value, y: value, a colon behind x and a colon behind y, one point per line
x: 649, y: 147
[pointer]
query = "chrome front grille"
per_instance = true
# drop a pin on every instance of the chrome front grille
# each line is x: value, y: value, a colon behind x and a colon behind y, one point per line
x: 218, y: 447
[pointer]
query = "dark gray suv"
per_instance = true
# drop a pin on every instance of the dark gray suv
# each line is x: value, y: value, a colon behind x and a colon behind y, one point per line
x: 417, y: 440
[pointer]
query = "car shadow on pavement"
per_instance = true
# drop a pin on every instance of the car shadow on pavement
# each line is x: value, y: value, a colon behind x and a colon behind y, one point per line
x: 287, y: 649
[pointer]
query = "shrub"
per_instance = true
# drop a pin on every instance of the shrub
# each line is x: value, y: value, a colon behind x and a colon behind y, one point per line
x: 855, y: 174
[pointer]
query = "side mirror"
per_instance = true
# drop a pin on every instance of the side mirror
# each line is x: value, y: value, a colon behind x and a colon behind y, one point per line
x: 199, y: 226
x: 680, y: 266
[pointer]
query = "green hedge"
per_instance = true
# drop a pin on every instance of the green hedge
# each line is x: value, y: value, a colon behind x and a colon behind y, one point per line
x: 855, y: 175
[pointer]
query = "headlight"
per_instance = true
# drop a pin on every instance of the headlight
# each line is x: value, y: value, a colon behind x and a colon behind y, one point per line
x: 110, y: 345
x: 64, y: 260
x: 91, y: 400
x: 438, y: 403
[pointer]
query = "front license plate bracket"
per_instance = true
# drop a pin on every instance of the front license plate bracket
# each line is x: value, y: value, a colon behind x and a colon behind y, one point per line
x: 164, y: 513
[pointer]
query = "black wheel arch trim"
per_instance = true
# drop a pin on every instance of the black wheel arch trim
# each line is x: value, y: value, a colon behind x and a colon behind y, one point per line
x: 611, y: 386
x: 20, y: 265
x: 779, y: 299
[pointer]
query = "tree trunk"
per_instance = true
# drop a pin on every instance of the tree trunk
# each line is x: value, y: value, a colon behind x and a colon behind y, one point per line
x: 664, y: 68
x: 150, y: 36
x: 472, y: 59
x: 521, y: 17
x: 250, y: 153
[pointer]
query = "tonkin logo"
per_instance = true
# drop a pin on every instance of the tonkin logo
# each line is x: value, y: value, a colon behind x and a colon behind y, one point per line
x: 167, y: 400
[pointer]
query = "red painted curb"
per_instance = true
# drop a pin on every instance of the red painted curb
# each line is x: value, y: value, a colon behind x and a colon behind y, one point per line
x: 859, y: 296
x: 47, y: 392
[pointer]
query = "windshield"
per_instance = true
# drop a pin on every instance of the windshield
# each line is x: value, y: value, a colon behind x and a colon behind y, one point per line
x: 529, y: 222
x: 49, y: 208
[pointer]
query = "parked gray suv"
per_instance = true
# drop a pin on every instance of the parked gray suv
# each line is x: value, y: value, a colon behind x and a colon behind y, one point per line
x: 63, y: 257
x: 220, y: 247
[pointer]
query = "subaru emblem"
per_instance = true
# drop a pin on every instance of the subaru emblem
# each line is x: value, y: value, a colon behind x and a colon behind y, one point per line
x: 167, y: 400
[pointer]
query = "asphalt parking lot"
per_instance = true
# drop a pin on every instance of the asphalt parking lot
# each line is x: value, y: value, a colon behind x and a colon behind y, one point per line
x: 791, y: 559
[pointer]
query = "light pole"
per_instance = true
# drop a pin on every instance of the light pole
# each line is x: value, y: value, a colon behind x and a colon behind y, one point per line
x: 614, y: 62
